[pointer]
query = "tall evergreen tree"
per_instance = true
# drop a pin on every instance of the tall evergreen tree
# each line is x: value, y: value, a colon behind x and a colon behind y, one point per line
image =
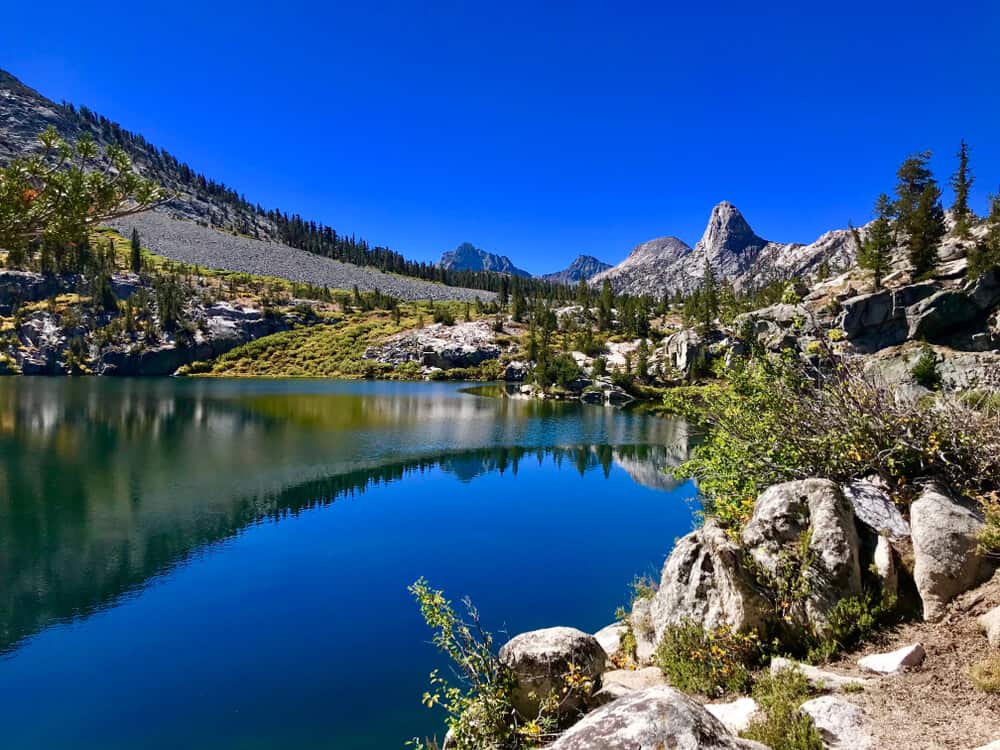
x: 135, y: 256
x: 875, y: 251
x: 986, y: 254
x: 605, y: 307
x: 920, y: 217
x: 961, y: 181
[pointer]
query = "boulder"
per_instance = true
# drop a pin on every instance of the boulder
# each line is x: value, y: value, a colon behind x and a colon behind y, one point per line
x: 807, y: 526
x: 820, y: 679
x: 515, y: 372
x: 865, y: 313
x: 990, y: 624
x: 946, y: 556
x: 893, y: 661
x: 841, y: 724
x: 540, y: 661
x: 873, y: 506
x: 684, y: 350
x: 736, y: 715
x: 705, y: 580
x: 650, y: 719
x: 620, y: 682
x: 610, y: 639
x: 884, y: 566
x: 985, y: 291
x: 940, y: 314
x: 644, y: 630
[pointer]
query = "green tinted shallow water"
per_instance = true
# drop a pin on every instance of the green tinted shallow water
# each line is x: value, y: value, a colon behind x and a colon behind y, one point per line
x: 223, y: 564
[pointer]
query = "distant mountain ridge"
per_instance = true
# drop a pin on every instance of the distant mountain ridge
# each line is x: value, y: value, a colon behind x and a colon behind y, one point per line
x: 468, y: 257
x: 732, y: 249
x: 583, y: 267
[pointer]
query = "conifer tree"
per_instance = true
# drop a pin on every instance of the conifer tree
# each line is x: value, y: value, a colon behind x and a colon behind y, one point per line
x: 961, y: 181
x: 874, y: 252
x: 135, y: 258
x: 605, y: 306
x: 986, y: 254
x: 920, y: 217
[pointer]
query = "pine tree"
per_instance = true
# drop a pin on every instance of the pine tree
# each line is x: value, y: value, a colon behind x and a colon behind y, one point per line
x: 136, y: 252
x: 605, y: 307
x: 874, y: 252
x: 986, y: 254
x: 709, y: 296
x: 920, y: 217
x: 961, y: 181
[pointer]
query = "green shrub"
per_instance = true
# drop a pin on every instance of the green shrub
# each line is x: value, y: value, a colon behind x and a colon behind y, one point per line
x: 783, y: 727
x: 985, y: 674
x: 779, y: 420
x: 713, y: 663
x: 925, y: 370
x: 850, y: 622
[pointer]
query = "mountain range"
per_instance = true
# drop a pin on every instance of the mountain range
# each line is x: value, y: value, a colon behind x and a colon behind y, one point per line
x: 666, y: 264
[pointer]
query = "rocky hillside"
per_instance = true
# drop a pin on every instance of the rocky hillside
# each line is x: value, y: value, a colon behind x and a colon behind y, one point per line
x: 192, y: 243
x: 731, y: 247
x: 583, y: 267
x: 468, y: 257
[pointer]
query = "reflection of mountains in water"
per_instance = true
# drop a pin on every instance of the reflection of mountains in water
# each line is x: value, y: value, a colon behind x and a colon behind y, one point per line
x: 73, y: 565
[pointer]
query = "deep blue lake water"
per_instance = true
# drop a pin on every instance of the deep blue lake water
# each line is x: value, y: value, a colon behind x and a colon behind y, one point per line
x: 223, y: 564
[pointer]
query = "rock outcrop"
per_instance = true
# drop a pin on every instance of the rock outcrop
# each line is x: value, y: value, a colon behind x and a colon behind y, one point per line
x: 658, y: 717
x: 806, y: 529
x: 947, y: 559
x: 541, y: 660
x: 438, y: 345
x: 583, y: 267
x: 705, y: 581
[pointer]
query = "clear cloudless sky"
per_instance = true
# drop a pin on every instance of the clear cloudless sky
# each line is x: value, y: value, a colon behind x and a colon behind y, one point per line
x: 538, y: 130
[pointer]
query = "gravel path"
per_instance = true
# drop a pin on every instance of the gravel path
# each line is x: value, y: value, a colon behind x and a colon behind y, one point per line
x: 188, y: 242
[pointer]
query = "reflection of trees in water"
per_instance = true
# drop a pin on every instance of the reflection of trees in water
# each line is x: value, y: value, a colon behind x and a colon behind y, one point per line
x: 60, y: 563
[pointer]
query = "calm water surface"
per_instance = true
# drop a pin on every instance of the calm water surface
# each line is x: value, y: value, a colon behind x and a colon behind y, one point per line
x: 221, y: 564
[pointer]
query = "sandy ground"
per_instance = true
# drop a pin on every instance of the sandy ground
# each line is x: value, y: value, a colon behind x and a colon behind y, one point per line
x: 934, y: 706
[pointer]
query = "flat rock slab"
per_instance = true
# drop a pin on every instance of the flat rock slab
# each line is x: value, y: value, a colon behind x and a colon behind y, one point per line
x: 610, y: 639
x: 735, y: 715
x: 841, y: 724
x: 873, y: 506
x: 894, y: 661
x: 990, y: 624
x: 820, y: 679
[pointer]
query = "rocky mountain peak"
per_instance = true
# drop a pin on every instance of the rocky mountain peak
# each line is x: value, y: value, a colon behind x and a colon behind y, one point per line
x: 468, y: 257
x: 728, y: 231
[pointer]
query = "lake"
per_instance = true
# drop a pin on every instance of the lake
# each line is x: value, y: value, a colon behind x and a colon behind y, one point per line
x: 223, y: 564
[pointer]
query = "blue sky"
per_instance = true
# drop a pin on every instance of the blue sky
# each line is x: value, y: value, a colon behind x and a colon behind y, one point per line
x: 537, y: 130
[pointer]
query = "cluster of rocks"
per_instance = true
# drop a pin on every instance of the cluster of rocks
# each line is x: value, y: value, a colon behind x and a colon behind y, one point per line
x: 439, y: 346
x: 848, y: 539
x: 890, y: 328
x: 599, y: 391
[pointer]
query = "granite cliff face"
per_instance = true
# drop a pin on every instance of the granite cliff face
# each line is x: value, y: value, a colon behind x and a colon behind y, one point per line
x: 733, y: 250
x: 468, y: 257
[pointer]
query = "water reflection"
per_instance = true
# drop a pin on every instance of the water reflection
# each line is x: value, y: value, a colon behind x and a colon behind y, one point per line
x: 107, y: 484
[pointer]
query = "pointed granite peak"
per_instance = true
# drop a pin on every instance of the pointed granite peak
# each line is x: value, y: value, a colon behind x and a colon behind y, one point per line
x: 728, y: 231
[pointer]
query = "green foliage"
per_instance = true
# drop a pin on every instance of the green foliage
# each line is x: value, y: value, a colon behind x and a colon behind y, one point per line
x: 443, y: 315
x: 986, y: 253
x: 135, y: 252
x: 875, y: 251
x: 850, y: 622
x: 985, y: 674
x: 919, y: 212
x: 778, y: 420
x: 961, y: 182
x: 784, y: 726
x: 49, y: 202
x: 712, y: 663
x: 560, y: 370
x: 479, y: 712
x: 925, y: 370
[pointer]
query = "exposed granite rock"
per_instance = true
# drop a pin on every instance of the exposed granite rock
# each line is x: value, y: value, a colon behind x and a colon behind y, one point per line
x: 894, y: 661
x: 465, y: 344
x: 658, y: 717
x: 816, y: 510
x: 820, y: 679
x: 541, y: 659
x: 705, y: 580
x: 841, y: 724
x: 947, y: 559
